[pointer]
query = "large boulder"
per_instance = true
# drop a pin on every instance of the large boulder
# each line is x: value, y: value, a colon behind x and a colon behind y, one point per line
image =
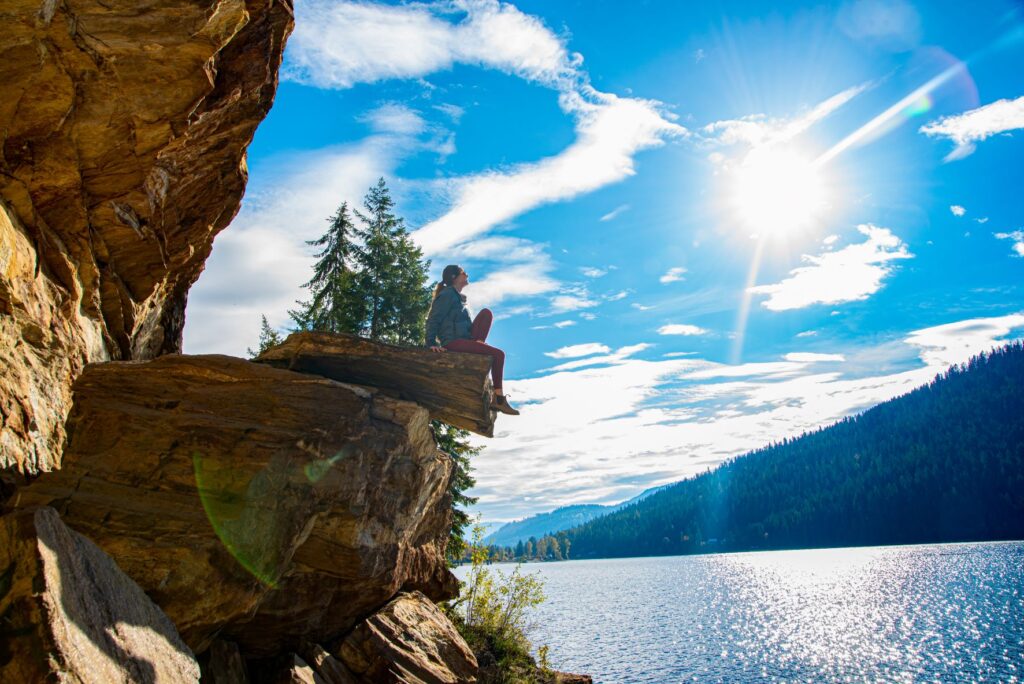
x: 69, y: 614
x: 124, y: 126
x: 262, y: 504
x: 454, y: 387
x: 408, y: 641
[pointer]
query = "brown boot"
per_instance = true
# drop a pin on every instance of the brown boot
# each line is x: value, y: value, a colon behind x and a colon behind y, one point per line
x: 501, y: 404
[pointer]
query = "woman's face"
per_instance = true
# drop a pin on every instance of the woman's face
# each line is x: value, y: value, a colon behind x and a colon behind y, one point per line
x: 461, y: 280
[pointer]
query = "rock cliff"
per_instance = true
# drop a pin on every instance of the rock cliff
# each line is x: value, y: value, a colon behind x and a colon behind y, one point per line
x: 124, y: 127
x: 258, y: 503
x: 167, y: 517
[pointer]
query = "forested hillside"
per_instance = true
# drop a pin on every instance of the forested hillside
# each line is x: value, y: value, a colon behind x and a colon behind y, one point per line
x: 942, y: 463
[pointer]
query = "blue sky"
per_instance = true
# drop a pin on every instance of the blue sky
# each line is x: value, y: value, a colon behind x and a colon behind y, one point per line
x: 701, y: 227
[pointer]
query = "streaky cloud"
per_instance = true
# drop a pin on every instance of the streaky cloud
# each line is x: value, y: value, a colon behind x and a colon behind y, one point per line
x: 976, y: 125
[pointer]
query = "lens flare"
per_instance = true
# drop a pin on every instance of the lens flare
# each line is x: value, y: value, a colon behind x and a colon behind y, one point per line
x: 258, y: 514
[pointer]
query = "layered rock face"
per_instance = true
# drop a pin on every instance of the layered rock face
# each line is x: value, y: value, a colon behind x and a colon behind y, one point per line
x: 123, y: 154
x: 455, y: 388
x: 70, y: 615
x: 408, y: 640
x: 254, y: 502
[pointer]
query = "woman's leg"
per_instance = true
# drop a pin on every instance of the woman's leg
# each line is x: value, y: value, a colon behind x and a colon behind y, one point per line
x: 481, y: 325
x: 475, y: 347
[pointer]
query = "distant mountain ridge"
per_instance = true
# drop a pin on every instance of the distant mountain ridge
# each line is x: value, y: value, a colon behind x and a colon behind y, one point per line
x: 561, y: 518
x: 944, y: 462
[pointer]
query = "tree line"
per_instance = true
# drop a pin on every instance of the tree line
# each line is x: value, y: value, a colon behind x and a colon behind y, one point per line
x: 371, y: 279
x: 943, y: 463
x: 550, y: 547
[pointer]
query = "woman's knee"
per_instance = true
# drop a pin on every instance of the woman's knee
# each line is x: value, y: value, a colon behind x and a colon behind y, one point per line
x: 485, y: 314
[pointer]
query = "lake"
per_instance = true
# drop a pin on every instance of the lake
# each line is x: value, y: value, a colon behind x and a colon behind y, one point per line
x: 942, y: 613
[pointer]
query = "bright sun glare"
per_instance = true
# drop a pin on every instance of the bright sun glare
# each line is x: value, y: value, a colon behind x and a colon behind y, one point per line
x: 777, y: 191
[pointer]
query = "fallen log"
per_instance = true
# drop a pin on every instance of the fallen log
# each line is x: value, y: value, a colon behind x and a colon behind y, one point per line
x: 453, y: 387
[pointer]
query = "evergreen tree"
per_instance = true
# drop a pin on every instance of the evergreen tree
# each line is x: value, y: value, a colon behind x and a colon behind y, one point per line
x: 455, y: 442
x: 392, y: 279
x: 336, y: 305
x: 268, y: 338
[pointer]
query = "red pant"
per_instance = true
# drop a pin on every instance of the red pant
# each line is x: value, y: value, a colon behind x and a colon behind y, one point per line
x: 482, y: 326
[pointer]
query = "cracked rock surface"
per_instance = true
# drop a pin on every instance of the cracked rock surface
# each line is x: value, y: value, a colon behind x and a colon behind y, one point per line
x: 124, y: 127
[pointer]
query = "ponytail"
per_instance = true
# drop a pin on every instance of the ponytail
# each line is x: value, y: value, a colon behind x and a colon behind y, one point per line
x: 437, y: 290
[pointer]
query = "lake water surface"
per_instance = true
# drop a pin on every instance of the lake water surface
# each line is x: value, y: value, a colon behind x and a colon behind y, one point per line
x: 934, y: 613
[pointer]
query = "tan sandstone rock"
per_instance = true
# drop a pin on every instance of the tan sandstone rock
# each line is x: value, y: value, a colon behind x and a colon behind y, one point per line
x: 454, y: 387
x: 124, y: 126
x: 327, y: 667
x: 408, y: 641
x: 69, y: 614
x: 267, y: 505
x: 295, y: 670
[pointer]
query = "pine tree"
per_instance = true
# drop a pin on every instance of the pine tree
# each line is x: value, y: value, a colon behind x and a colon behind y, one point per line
x: 392, y: 278
x: 268, y: 338
x: 336, y: 305
x: 455, y: 442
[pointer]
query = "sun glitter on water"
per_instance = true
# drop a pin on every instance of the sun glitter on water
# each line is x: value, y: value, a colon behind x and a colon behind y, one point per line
x: 776, y: 191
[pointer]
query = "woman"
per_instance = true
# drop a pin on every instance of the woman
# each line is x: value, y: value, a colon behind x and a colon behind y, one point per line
x: 450, y: 329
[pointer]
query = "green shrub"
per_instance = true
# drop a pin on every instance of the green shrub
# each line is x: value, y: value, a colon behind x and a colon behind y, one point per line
x: 492, y: 614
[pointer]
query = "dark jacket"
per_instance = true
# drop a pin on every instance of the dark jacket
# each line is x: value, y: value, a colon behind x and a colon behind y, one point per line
x: 448, y: 318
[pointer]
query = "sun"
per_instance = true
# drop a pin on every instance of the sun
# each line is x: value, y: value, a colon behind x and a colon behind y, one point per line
x: 776, y: 191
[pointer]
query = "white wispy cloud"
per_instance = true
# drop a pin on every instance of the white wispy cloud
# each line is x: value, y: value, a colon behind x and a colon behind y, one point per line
x: 758, y: 129
x: 672, y: 275
x: 852, y: 273
x: 338, y: 44
x: 615, y: 212
x: 944, y: 345
x: 620, y: 423
x: 966, y: 129
x: 571, y: 302
x: 610, y: 131
x: 807, y: 333
x: 810, y: 357
x: 641, y: 307
x: 681, y: 329
x: 520, y: 269
x: 617, y: 356
x: 454, y: 112
x: 1017, y: 237
x: 592, y: 272
x: 394, y: 117
x: 957, y: 210
x: 563, y: 324
x: 576, y: 350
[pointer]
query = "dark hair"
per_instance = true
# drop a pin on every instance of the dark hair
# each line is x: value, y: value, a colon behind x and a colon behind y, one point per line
x: 448, y: 276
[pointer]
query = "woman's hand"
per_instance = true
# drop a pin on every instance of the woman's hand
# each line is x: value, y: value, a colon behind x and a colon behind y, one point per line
x: 438, y: 349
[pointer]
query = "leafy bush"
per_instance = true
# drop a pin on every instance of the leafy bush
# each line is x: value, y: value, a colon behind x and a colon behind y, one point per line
x: 492, y: 614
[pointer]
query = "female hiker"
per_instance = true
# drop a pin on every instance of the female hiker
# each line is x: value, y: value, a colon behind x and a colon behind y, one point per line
x: 450, y: 329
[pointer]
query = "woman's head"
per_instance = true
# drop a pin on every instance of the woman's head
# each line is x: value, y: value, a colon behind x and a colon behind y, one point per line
x: 454, y: 277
